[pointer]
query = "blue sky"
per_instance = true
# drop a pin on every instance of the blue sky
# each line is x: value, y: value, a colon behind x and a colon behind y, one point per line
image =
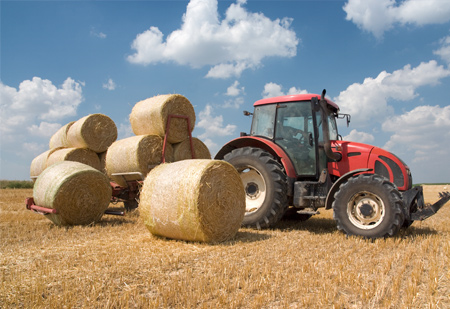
x: 385, y: 62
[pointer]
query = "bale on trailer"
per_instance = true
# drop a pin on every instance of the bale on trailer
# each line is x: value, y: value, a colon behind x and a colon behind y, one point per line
x: 82, y: 155
x: 39, y: 164
x: 96, y: 132
x: 78, y: 192
x: 195, y: 200
x: 182, y: 151
x: 59, y: 139
x: 150, y: 117
x: 135, y: 154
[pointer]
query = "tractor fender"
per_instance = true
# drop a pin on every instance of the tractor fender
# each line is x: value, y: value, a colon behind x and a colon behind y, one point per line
x: 335, y: 186
x: 262, y: 143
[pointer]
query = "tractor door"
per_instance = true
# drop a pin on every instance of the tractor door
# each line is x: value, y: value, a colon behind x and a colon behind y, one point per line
x: 294, y: 132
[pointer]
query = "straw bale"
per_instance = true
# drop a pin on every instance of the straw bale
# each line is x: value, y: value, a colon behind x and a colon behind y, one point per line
x: 79, y: 192
x: 59, y: 139
x: 195, y: 200
x: 82, y: 155
x: 135, y: 154
x: 150, y: 116
x: 182, y: 151
x: 102, y: 158
x: 39, y: 164
x: 96, y: 132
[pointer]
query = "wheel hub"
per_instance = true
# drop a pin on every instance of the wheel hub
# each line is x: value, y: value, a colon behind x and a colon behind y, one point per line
x: 366, y: 210
x: 252, y: 190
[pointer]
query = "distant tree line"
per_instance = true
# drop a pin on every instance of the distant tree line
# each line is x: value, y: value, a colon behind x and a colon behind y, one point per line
x: 16, y: 184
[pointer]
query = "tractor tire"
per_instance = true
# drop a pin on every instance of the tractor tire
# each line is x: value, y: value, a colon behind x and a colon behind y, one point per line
x: 370, y: 206
x: 265, y: 186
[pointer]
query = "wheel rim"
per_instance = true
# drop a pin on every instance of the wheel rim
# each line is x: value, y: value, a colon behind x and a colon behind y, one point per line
x: 255, y: 188
x: 366, y: 210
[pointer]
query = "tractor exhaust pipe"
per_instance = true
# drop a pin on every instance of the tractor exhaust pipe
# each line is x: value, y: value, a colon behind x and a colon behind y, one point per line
x: 334, y: 156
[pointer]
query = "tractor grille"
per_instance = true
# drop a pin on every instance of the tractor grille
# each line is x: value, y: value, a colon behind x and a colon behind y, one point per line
x: 396, y: 170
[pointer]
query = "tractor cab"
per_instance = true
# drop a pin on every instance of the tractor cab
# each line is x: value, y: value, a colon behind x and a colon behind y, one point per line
x: 296, y: 126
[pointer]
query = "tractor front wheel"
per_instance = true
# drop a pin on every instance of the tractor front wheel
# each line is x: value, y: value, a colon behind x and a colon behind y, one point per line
x: 368, y: 206
x: 264, y: 183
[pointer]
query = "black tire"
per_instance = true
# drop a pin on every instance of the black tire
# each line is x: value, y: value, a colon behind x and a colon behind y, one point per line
x: 368, y: 206
x: 265, y: 185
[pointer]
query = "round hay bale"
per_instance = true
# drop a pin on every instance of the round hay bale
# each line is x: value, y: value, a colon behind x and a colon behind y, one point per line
x: 150, y: 117
x: 59, y: 139
x: 195, y: 200
x: 82, y: 155
x: 102, y: 158
x: 96, y: 132
x: 135, y: 154
x: 77, y: 191
x: 182, y: 151
x: 39, y: 164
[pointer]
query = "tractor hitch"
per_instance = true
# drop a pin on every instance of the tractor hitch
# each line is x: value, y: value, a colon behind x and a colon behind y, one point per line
x: 425, y: 211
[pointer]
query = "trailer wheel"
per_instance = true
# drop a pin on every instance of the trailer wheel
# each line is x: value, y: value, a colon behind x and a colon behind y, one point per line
x: 130, y: 205
x: 265, y: 186
x: 368, y: 206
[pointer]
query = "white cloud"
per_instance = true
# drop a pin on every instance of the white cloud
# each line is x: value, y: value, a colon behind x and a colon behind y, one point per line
x: 213, y: 125
x: 97, y: 34
x: 229, y: 46
x: 444, y: 50
x: 234, y: 103
x: 110, y: 85
x: 425, y: 131
x: 275, y: 90
x: 234, y: 90
x: 378, y: 16
x: 35, y: 107
x: 44, y: 129
x: 360, y: 137
x: 368, y: 102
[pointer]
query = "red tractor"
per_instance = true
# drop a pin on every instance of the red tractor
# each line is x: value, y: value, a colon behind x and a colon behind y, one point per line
x: 294, y: 160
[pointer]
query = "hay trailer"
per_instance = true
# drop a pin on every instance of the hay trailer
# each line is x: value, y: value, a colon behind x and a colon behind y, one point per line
x: 295, y: 162
x: 128, y: 194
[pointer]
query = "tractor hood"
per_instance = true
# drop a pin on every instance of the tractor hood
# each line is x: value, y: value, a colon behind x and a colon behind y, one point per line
x: 382, y: 162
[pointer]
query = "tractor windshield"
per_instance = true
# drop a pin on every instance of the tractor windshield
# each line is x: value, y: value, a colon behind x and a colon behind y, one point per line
x: 263, y: 120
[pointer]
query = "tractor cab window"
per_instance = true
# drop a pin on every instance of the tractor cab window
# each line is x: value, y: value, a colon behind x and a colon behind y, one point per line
x: 263, y: 120
x: 294, y: 132
x: 331, y: 125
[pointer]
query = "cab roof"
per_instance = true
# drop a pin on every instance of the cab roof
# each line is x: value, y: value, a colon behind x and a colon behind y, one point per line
x: 293, y: 98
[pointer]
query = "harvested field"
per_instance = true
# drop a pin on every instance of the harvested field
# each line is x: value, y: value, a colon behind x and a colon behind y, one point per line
x: 118, y: 263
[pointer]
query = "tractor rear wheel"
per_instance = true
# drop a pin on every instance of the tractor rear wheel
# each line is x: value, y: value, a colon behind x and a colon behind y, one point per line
x: 368, y: 206
x: 265, y: 186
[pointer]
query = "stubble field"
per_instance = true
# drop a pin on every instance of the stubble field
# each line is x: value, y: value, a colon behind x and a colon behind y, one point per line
x: 118, y: 263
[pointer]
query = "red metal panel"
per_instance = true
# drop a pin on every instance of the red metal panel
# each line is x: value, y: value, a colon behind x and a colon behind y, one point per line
x: 293, y: 98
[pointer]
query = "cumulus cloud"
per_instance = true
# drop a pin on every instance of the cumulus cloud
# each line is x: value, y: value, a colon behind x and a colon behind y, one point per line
x: 368, y: 102
x: 444, y: 49
x: 213, y: 127
x: 360, y: 137
x: 275, y: 90
x: 98, y: 34
x: 378, y: 16
x: 234, y: 90
x: 229, y: 46
x: 36, y: 107
x: 425, y: 129
x: 110, y: 85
